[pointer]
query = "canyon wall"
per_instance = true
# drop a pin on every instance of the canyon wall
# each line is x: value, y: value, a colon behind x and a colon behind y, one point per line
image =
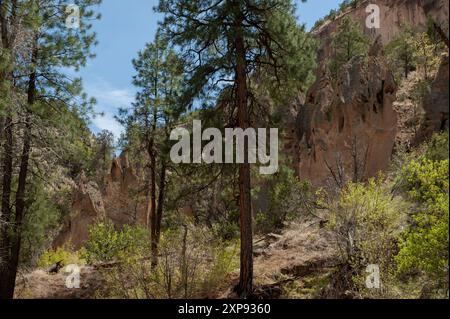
x: 394, y: 14
x: 119, y: 203
x: 347, y: 130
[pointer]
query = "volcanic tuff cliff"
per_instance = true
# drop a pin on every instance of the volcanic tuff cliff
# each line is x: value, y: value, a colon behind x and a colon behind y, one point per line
x: 436, y: 104
x: 393, y: 15
x: 347, y: 129
x: 116, y: 203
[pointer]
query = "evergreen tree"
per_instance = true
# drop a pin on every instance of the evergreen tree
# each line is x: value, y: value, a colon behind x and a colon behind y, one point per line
x: 154, y: 114
x: 225, y: 42
x: 401, y: 51
x: 50, y: 47
x: 348, y: 42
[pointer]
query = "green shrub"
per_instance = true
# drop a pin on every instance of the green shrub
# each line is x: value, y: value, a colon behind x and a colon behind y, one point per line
x: 106, y: 244
x: 191, y: 264
x: 366, y: 220
x: 63, y: 255
x: 425, y: 245
x: 280, y: 199
x: 425, y: 180
x: 438, y: 147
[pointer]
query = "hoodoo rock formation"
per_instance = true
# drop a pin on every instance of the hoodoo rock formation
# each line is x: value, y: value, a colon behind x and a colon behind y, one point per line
x: 87, y: 206
x: 122, y: 193
x: 118, y: 203
x: 347, y: 129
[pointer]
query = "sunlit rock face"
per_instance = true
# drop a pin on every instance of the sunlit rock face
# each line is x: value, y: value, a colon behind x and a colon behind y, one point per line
x: 436, y: 104
x: 346, y: 130
x: 118, y: 203
x: 394, y: 14
x: 87, y: 208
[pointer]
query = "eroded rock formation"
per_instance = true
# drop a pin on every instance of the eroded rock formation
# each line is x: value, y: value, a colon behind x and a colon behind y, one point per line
x: 122, y: 194
x: 394, y: 14
x: 346, y: 130
x: 119, y: 203
x: 87, y: 207
x: 436, y: 104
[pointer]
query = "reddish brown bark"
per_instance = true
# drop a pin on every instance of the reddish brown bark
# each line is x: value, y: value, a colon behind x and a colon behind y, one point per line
x: 246, y: 270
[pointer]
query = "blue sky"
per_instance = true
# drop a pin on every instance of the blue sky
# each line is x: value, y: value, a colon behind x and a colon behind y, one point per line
x: 125, y: 28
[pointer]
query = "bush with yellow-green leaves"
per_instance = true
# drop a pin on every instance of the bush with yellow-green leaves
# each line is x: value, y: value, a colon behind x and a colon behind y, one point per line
x: 366, y: 220
x: 62, y: 255
x: 425, y: 246
x: 106, y: 244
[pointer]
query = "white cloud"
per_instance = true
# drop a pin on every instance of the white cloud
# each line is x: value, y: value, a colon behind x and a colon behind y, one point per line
x: 109, y: 100
x: 108, y: 122
x: 112, y: 97
x: 107, y: 94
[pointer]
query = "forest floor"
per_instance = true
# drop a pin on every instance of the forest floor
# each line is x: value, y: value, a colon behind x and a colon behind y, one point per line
x: 292, y: 264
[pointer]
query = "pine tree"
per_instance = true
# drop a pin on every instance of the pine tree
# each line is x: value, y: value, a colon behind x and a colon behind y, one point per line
x: 348, y: 42
x: 401, y: 51
x: 50, y: 47
x: 154, y: 114
x: 225, y: 42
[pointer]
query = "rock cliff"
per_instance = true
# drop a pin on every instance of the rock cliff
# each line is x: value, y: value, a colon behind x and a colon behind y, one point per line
x: 118, y: 203
x: 393, y: 15
x: 346, y: 130
x: 436, y: 104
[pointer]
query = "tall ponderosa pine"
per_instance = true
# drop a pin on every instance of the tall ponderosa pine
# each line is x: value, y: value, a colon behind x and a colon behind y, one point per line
x: 225, y: 43
x: 8, y: 28
x: 49, y: 47
x: 154, y: 114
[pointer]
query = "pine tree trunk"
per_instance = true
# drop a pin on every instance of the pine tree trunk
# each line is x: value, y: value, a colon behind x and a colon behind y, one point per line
x: 246, y: 270
x: 152, y: 213
x: 161, y: 198
x: 15, y: 241
x: 6, y: 290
